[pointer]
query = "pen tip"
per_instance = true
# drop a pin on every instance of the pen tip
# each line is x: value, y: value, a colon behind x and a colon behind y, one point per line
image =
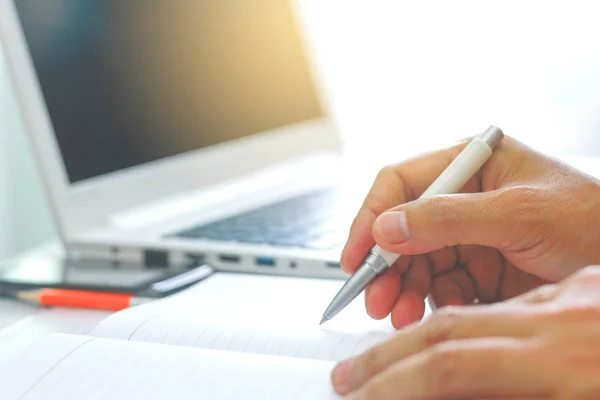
x: 323, y: 320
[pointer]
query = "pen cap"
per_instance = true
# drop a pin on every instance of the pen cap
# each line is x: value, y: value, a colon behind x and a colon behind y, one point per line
x: 492, y: 136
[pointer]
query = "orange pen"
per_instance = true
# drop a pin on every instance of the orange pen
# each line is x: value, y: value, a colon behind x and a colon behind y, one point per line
x: 81, y: 299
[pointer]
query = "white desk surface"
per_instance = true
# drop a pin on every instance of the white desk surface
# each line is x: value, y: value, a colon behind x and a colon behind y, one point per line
x: 21, y: 324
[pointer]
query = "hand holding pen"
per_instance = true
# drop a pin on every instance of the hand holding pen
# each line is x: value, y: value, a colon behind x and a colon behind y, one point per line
x: 520, y: 239
x: 455, y: 172
x: 494, y: 240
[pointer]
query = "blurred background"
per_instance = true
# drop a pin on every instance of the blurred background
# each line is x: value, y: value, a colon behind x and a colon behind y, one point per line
x: 403, y: 77
x: 417, y: 74
x: 24, y: 213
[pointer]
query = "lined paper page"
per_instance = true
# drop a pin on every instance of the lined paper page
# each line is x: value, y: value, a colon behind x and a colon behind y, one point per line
x: 272, y: 339
x: 255, y: 314
x: 250, y: 298
x: 95, y: 369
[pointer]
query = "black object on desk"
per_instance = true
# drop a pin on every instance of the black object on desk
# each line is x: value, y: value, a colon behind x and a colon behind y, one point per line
x: 96, y: 275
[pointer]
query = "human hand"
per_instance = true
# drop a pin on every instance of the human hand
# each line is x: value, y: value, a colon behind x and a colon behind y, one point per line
x: 523, y: 221
x: 544, y: 344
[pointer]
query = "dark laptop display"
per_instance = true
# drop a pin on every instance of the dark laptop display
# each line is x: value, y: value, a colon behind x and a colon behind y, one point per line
x: 128, y: 82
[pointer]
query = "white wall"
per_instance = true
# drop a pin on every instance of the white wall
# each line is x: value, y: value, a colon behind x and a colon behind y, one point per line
x: 419, y: 74
x: 25, y: 219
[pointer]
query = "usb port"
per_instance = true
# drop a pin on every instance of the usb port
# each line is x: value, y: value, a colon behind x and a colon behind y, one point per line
x: 228, y: 258
x: 265, y: 261
x: 333, y: 265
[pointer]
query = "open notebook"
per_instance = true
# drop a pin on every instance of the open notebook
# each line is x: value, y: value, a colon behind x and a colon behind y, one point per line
x: 231, y: 337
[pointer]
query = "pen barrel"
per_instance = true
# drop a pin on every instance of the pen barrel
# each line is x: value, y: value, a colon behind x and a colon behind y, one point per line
x: 463, y: 168
x: 82, y: 299
x: 451, y: 181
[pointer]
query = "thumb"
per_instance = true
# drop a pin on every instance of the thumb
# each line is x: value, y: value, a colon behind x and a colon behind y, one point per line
x: 494, y: 219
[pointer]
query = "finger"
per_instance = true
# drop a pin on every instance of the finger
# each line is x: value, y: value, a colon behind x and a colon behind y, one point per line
x: 394, y: 185
x: 484, y: 265
x: 454, y: 288
x: 359, y: 242
x: 429, y: 224
x: 381, y: 294
x: 445, y: 259
x: 486, y: 367
x: 410, y: 305
x: 542, y: 294
x: 451, y: 323
x: 544, y: 397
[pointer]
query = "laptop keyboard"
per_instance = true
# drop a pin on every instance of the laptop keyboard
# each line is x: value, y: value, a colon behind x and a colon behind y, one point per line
x: 311, y: 221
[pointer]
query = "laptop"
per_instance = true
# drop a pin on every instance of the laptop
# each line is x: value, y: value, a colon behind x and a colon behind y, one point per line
x: 181, y: 132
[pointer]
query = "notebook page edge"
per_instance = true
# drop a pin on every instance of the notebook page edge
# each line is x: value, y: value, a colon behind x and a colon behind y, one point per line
x: 112, y: 367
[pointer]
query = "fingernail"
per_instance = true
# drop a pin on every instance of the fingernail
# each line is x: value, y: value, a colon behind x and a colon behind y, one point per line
x: 393, y: 226
x: 351, y: 396
x: 341, y: 375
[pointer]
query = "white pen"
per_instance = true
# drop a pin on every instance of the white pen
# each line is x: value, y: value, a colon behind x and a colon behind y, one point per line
x: 452, y: 180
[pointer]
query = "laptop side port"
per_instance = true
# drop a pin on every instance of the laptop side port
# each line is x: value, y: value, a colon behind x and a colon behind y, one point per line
x: 156, y: 259
x: 265, y: 261
x: 229, y: 258
x: 333, y: 265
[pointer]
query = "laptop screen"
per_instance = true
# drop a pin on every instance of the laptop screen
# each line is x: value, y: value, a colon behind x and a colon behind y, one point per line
x: 128, y: 82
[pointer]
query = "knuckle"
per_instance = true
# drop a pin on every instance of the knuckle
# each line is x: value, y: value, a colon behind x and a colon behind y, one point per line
x: 442, y: 368
x: 543, y: 293
x: 442, y: 326
x: 584, y: 283
x: 357, y: 222
x: 386, y: 172
x: 572, y: 313
x: 588, y: 274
